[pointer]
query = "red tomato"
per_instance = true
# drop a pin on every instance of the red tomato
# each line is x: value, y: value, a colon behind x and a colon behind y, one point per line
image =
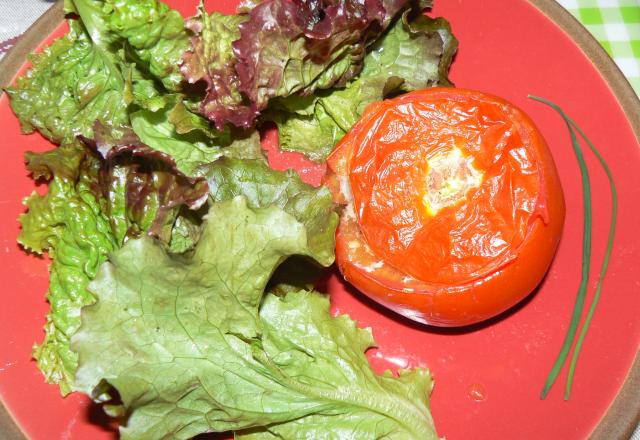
x: 453, y: 206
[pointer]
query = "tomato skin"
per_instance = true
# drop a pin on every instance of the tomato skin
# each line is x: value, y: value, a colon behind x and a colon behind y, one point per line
x: 458, y: 303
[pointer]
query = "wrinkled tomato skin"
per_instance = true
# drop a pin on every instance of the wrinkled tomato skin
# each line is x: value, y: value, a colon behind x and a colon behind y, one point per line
x: 457, y: 304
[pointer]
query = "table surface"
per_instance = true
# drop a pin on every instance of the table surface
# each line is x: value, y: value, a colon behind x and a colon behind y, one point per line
x: 614, y: 23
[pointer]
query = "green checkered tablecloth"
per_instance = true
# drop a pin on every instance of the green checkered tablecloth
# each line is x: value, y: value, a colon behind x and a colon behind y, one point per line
x: 616, y: 25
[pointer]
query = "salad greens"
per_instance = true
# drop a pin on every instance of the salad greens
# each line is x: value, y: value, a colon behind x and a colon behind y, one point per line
x: 182, y: 264
x: 68, y: 223
x: 211, y: 60
x: 144, y: 192
x: 189, y: 140
x: 414, y: 54
x: 263, y: 187
x: 188, y: 350
x: 70, y: 87
x: 104, y: 64
x: 280, y: 48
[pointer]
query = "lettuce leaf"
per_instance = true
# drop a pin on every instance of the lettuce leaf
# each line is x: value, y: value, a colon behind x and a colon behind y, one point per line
x: 69, y: 87
x: 115, y: 55
x: 68, y: 223
x: 211, y: 59
x: 155, y: 36
x: 184, y: 343
x: 188, y: 150
x: 148, y: 32
x: 262, y: 187
x: 414, y: 54
x: 324, y: 356
x: 91, y: 206
x: 288, y: 47
x: 186, y: 231
x: 280, y: 48
x: 190, y: 140
x: 145, y: 191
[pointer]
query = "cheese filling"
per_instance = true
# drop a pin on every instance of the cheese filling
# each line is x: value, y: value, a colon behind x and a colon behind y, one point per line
x: 450, y: 176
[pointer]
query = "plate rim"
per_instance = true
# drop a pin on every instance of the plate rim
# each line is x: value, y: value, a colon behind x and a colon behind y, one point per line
x: 620, y: 420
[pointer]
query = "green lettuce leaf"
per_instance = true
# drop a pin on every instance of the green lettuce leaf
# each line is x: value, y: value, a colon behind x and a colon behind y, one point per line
x: 262, y: 187
x: 184, y: 343
x: 115, y: 55
x: 189, y: 150
x: 91, y: 206
x: 186, y: 231
x: 147, y: 32
x: 68, y: 223
x: 69, y: 87
x: 230, y: 267
x: 190, y: 140
x: 155, y: 36
x: 414, y: 54
x: 324, y: 356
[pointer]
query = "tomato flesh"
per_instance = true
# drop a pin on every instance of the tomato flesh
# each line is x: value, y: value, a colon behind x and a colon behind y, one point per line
x: 449, y: 191
x: 482, y: 228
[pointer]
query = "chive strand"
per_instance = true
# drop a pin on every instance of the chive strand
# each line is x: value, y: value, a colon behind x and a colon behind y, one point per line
x: 586, y: 255
x: 605, y: 260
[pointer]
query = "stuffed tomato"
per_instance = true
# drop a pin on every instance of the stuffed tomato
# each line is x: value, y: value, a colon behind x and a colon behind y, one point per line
x: 452, y: 205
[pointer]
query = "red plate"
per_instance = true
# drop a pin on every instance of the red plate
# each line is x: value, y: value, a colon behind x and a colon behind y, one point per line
x: 488, y: 377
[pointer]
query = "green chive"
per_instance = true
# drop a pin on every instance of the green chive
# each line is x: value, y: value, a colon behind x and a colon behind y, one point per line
x: 605, y: 260
x: 586, y: 256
